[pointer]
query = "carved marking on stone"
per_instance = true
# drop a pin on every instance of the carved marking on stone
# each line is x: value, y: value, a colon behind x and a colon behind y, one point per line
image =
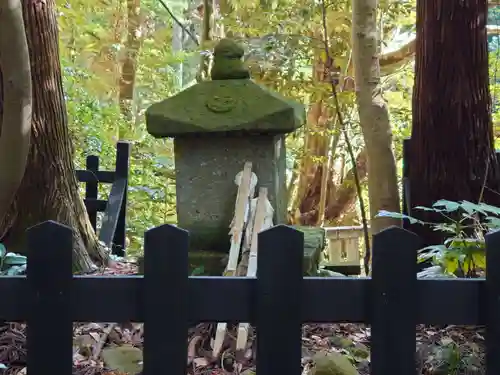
x: 221, y: 103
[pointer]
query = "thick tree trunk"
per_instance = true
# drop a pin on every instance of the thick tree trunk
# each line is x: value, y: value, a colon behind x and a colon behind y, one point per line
x: 1, y: 93
x: 451, y: 148
x: 15, y: 122
x: 49, y: 189
x: 373, y: 115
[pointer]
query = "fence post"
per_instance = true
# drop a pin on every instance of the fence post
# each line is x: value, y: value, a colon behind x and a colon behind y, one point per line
x: 49, y: 277
x: 166, y: 300
x: 279, y: 301
x: 394, y: 302
x: 121, y: 171
x: 92, y: 187
x: 493, y: 307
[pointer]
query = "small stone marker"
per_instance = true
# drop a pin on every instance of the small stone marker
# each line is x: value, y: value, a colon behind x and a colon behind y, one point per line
x: 217, y: 126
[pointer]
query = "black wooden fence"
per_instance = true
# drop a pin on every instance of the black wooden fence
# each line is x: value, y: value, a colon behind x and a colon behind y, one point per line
x: 277, y: 301
x: 112, y: 231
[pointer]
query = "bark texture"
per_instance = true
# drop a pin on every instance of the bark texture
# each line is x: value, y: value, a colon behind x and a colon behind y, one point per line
x: 316, y: 192
x: 49, y: 189
x: 128, y: 70
x: 452, y: 150
x: 15, y: 122
x: 339, y: 199
x: 373, y: 115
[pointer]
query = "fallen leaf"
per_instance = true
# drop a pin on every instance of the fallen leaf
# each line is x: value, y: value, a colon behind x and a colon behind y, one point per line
x: 201, y: 362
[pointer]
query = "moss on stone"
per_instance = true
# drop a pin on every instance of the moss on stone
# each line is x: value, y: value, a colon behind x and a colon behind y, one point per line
x: 231, y: 102
x: 227, y: 61
x: 314, y: 244
x: 223, y: 106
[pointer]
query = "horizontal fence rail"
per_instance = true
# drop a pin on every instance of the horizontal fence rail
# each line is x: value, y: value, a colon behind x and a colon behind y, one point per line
x: 112, y: 231
x: 277, y: 301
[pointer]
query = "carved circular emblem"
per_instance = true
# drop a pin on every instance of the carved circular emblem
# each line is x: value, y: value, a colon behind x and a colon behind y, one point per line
x: 220, y: 103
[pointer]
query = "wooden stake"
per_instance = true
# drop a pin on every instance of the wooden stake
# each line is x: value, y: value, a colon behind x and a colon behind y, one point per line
x: 246, y: 181
x: 263, y: 219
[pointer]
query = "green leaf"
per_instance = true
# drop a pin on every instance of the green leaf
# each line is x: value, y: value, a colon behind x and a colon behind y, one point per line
x: 430, y: 252
x: 445, y: 227
x: 493, y: 222
x: 422, y: 208
x: 491, y: 209
x: 3, y: 250
x: 16, y: 270
x: 424, y: 257
x: 471, y: 208
x: 450, y: 263
x: 479, y: 259
x: 448, y: 206
x: 397, y: 215
x: 465, y: 244
x: 198, y: 271
x: 433, y: 249
x: 13, y: 259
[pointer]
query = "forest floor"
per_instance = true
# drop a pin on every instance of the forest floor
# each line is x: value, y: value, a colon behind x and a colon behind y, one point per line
x: 101, y: 349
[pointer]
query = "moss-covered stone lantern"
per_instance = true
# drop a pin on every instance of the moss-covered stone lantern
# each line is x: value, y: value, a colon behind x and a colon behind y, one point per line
x: 217, y: 126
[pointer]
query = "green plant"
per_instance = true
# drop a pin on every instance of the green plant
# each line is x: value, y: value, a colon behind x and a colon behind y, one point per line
x: 463, y: 251
x: 198, y: 271
x: 11, y: 263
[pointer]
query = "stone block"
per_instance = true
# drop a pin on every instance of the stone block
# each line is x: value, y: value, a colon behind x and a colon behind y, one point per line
x: 206, y: 193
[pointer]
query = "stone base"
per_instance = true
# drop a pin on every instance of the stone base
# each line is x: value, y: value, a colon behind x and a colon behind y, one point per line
x: 207, y: 262
x: 314, y: 244
x: 214, y: 263
x: 209, y: 238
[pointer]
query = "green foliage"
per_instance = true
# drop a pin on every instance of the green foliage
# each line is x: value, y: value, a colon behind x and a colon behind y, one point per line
x: 283, y: 41
x: 91, y: 54
x: 463, y: 251
x: 10, y: 263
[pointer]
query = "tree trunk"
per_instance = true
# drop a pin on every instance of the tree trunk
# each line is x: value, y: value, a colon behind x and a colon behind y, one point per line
x: 316, y: 190
x: 49, y: 189
x: 451, y: 149
x: 373, y: 115
x: 339, y: 198
x: 128, y: 70
x: 15, y: 122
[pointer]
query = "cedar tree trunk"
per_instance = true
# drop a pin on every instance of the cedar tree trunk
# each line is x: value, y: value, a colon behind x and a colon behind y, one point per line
x: 452, y: 152
x: 49, y: 189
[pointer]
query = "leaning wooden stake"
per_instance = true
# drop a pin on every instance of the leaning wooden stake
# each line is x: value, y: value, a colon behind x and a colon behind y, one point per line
x: 261, y: 219
x: 246, y: 181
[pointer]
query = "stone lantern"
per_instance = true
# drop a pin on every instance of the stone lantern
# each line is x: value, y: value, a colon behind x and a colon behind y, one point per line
x: 217, y: 126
